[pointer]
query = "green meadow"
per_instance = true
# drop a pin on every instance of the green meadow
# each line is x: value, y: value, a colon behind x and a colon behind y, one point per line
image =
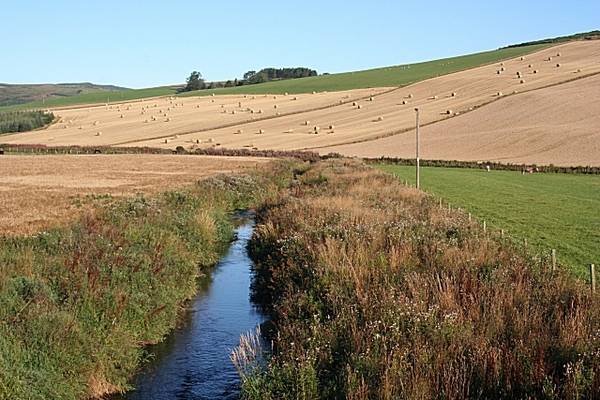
x: 550, y: 211
x: 400, y: 75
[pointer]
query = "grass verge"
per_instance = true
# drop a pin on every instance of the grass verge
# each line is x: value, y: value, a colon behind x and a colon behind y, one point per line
x: 377, y: 292
x: 78, y: 303
x: 550, y: 211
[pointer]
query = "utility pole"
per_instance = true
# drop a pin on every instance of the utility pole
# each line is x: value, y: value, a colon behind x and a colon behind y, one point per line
x: 417, y: 112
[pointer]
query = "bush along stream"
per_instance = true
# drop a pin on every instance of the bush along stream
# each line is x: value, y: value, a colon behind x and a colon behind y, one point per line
x: 79, y: 303
x: 376, y: 292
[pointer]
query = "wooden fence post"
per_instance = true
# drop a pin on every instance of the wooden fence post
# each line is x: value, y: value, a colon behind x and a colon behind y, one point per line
x: 553, y: 259
x: 484, y: 226
x: 593, y: 277
x: 525, y: 242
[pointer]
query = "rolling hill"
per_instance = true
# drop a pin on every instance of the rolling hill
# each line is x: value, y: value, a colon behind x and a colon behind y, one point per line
x: 526, y: 104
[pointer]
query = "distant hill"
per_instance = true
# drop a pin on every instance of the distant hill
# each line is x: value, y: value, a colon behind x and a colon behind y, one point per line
x: 20, y: 94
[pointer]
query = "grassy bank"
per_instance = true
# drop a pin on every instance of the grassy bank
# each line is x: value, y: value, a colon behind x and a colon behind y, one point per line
x: 78, y: 303
x: 551, y: 211
x: 376, y: 292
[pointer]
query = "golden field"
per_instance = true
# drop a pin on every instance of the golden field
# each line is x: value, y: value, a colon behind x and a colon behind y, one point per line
x: 547, y: 115
x: 38, y: 191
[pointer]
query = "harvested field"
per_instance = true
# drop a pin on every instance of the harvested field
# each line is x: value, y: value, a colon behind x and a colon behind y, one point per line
x: 557, y: 125
x: 38, y: 191
x: 457, y: 107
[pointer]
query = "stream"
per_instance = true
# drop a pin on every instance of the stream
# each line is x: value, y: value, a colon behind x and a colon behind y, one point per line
x: 193, y: 361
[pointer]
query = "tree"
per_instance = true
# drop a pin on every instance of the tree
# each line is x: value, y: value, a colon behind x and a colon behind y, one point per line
x: 194, y: 82
x: 248, y: 75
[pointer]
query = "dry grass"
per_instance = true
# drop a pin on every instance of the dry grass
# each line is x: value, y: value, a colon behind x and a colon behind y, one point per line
x: 38, y: 191
x: 381, y: 293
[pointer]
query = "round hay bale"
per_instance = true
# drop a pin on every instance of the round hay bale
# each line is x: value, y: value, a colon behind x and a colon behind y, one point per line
x: 522, y: 81
x: 410, y: 96
x: 380, y: 119
x: 448, y: 112
x: 239, y: 131
x: 98, y: 133
x: 332, y: 127
x: 535, y: 71
x: 453, y: 94
x: 167, y: 140
x: 261, y: 131
x: 404, y: 102
x: 557, y: 65
x: 359, y: 106
x: 306, y: 122
x: 210, y: 140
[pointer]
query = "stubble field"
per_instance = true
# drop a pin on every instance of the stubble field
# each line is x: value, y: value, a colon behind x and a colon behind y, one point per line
x: 39, y: 191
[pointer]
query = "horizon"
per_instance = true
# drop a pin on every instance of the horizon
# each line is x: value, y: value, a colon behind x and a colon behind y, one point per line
x: 65, y: 42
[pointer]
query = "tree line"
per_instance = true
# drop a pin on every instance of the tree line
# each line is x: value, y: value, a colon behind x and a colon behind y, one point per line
x: 23, y: 121
x: 196, y: 82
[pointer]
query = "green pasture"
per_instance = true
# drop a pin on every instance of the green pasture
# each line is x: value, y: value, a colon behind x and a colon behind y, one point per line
x: 97, y: 97
x: 551, y: 211
x: 400, y: 75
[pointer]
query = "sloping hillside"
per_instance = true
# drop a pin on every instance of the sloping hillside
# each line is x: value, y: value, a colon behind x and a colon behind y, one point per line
x: 518, y: 110
x: 20, y: 94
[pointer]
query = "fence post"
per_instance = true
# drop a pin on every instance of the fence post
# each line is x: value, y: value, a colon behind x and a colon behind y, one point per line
x: 469, y: 217
x: 502, y: 232
x: 553, y: 259
x: 525, y: 242
x: 484, y: 226
x: 593, y: 277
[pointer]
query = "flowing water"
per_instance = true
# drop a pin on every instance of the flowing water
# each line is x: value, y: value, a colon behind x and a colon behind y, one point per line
x: 193, y: 362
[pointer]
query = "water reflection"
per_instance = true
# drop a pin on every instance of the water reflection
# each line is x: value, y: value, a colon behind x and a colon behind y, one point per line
x: 193, y: 362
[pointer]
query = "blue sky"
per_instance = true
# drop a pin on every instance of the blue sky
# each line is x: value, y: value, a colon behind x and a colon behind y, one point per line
x: 154, y: 43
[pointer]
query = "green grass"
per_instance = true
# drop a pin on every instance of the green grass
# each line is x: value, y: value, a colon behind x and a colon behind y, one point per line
x: 100, y: 97
x: 551, y: 211
x: 399, y: 75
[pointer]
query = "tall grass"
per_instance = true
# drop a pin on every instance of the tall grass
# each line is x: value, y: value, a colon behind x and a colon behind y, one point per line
x: 551, y: 211
x: 376, y: 292
x: 78, y: 303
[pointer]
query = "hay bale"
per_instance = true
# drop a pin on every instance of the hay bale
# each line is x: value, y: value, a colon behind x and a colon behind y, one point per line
x: 332, y: 127
x: 261, y: 131
x: 359, y: 106
x: 98, y: 133
x: 453, y: 94
x: 239, y: 131
x: 448, y: 112
x: 167, y: 140
x: 210, y: 140
x: 404, y: 102
x: 274, y: 105
x: 410, y: 96
x: 535, y: 71
x: 522, y: 81
x: 557, y: 65
x: 306, y: 122
x: 380, y: 119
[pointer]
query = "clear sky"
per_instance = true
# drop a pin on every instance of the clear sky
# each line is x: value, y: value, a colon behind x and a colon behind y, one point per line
x: 151, y: 43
